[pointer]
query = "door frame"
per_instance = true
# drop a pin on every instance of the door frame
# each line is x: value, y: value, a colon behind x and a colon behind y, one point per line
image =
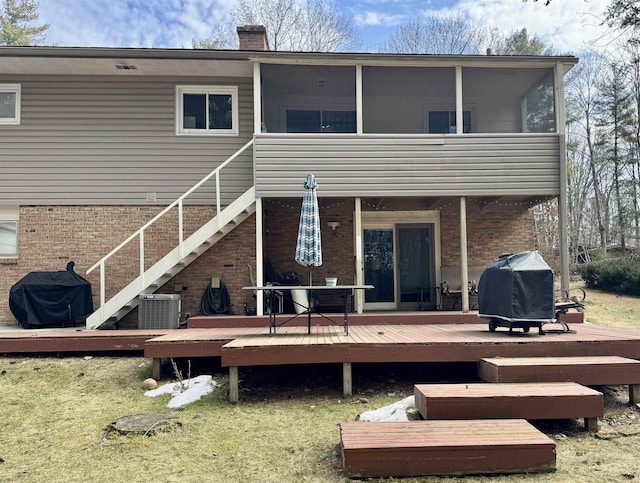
x: 386, y: 219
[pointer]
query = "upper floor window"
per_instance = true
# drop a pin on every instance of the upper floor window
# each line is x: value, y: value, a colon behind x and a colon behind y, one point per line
x: 210, y: 110
x: 321, y: 120
x: 444, y: 122
x: 10, y: 103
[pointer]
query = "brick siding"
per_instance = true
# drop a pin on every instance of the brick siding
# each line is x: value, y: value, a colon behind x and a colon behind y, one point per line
x: 51, y: 236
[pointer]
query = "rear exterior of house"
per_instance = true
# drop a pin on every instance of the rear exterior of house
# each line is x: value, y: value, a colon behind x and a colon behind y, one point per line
x: 425, y: 164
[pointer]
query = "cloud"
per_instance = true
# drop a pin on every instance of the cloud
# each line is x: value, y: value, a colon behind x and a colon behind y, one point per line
x: 377, y: 18
x: 565, y: 25
x: 132, y: 23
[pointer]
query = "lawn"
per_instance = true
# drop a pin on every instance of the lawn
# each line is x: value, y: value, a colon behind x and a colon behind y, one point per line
x: 56, y: 411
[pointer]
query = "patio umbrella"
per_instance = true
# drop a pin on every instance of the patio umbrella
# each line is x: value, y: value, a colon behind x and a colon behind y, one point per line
x: 309, y: 245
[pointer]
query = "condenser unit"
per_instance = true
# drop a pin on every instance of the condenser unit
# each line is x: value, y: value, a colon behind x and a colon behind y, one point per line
x: 159, y: 311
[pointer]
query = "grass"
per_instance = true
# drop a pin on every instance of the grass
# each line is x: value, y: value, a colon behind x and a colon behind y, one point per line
x: 55, y: 412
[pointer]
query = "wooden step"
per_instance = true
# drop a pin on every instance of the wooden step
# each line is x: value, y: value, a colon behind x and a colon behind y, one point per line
x: 414, y: 448
x: 587, y: 370
x: 543, y: 400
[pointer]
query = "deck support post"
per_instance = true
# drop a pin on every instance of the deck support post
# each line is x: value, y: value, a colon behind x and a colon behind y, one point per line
x: 634, y: 393
x: 233, y: 384
x: 347, y: 386
x: 591, y: 424
x: 155, y: 368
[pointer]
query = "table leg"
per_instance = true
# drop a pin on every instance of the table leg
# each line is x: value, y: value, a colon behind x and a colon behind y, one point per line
x: 346, y: 313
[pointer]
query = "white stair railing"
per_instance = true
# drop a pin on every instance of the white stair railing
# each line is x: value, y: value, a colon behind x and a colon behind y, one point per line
x: 181, y: 239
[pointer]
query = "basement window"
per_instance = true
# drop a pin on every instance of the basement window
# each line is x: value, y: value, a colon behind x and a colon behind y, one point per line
x: 207, y: 110
x: 10, y: 103
x: 8, y: 239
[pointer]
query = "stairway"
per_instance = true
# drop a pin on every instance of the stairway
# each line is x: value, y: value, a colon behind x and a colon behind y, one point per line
x: 186, y: 252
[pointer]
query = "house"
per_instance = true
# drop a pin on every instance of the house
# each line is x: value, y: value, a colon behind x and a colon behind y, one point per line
x: 424, y: 163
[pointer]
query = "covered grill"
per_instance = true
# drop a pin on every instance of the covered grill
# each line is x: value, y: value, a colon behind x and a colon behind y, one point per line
x: 42, y: 299
x: 517, y: 291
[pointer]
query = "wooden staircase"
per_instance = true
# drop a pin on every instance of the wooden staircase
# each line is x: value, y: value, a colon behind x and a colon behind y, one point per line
x: 182, y: 255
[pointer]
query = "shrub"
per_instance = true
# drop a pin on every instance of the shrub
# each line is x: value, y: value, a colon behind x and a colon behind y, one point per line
x: 619, y: 275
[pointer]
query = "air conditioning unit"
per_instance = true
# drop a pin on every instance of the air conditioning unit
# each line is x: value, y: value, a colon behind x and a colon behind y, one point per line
x: 159, y: 311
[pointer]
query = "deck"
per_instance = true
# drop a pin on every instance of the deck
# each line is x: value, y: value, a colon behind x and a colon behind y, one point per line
x: 245, y: 341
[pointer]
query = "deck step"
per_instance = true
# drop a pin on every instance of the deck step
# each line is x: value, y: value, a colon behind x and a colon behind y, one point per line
x: 587, y: 370
x: 542, y: 400
x: 415, y: 448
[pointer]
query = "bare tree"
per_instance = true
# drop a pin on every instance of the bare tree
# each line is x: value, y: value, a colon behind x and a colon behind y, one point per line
x: 15, y: 23
x: 582, y: 97
x: 222, y: 37
x: 313, y: 26
x: 440, y: 35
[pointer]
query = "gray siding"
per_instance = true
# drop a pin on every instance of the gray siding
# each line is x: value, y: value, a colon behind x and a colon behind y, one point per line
x: 393, y: 166
x: 111, y: 140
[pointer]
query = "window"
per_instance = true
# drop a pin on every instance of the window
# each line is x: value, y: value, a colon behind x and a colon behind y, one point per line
x: 10, y: 103
x: 210, y: 110
x: 321, y: 120
x: 8, y: 239
x: 444, y: 122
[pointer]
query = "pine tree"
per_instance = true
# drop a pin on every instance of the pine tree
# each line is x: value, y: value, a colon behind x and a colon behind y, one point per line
x: 15, y: 23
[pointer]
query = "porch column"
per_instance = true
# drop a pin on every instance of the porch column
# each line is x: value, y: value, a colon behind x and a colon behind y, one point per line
x: 359, y: 123
x: 459, y: 104
x: 563, y: 198
x: 257, y: 100
x: 259, y: 263
x: 464, y: 275
x: 358, y: 248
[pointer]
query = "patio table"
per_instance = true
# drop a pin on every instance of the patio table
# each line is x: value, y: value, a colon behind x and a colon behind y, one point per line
x: 346, y: 291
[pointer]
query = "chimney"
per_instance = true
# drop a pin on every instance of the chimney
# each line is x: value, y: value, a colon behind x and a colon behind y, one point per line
x: 253, y: 37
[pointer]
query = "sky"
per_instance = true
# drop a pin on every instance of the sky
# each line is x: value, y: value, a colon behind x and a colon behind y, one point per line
x: 569, y: 26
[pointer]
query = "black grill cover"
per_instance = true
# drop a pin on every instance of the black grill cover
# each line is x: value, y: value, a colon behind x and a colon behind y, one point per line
x: 517, y: 288
x: 51, y: 298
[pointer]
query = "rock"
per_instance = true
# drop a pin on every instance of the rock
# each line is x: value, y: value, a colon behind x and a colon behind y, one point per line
x: 149, y: 384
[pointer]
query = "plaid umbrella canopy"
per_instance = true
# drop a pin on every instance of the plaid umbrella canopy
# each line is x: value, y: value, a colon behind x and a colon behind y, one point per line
x: 309, y: 245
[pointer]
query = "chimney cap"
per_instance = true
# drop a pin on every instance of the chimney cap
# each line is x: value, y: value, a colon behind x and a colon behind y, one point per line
x: 251, y: 28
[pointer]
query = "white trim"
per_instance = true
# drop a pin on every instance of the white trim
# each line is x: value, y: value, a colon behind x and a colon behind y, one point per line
x: 389, y: 219
x: 359, y: 101
x: 11, y: 214
x: 17, y: 90
x: 257, y: 99
x: 207, y: 90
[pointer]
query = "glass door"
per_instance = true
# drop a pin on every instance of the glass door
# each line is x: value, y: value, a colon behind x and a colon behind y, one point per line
x: 379, y: 262
x: 415, y: 267
x: 399, y: 263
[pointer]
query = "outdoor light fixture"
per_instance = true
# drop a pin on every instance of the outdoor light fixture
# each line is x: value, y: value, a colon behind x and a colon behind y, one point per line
x: 334, y: 226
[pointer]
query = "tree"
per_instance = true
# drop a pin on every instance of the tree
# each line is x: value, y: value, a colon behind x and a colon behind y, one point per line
x: 615, y: 117
x: 519, y: 43
x: 223, y: 37
x: 582, y: 100
x: 623, y: 14
x: 312, y: 26
x: 15, y: 23
x: 439, y: 35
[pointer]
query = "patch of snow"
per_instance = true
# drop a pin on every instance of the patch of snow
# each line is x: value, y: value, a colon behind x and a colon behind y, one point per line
x: 391, y: 413
x: 185, y: 392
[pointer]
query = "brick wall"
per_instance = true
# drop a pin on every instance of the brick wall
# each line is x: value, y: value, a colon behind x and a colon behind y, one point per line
x: 50, y: 236
x: 491, y: 231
